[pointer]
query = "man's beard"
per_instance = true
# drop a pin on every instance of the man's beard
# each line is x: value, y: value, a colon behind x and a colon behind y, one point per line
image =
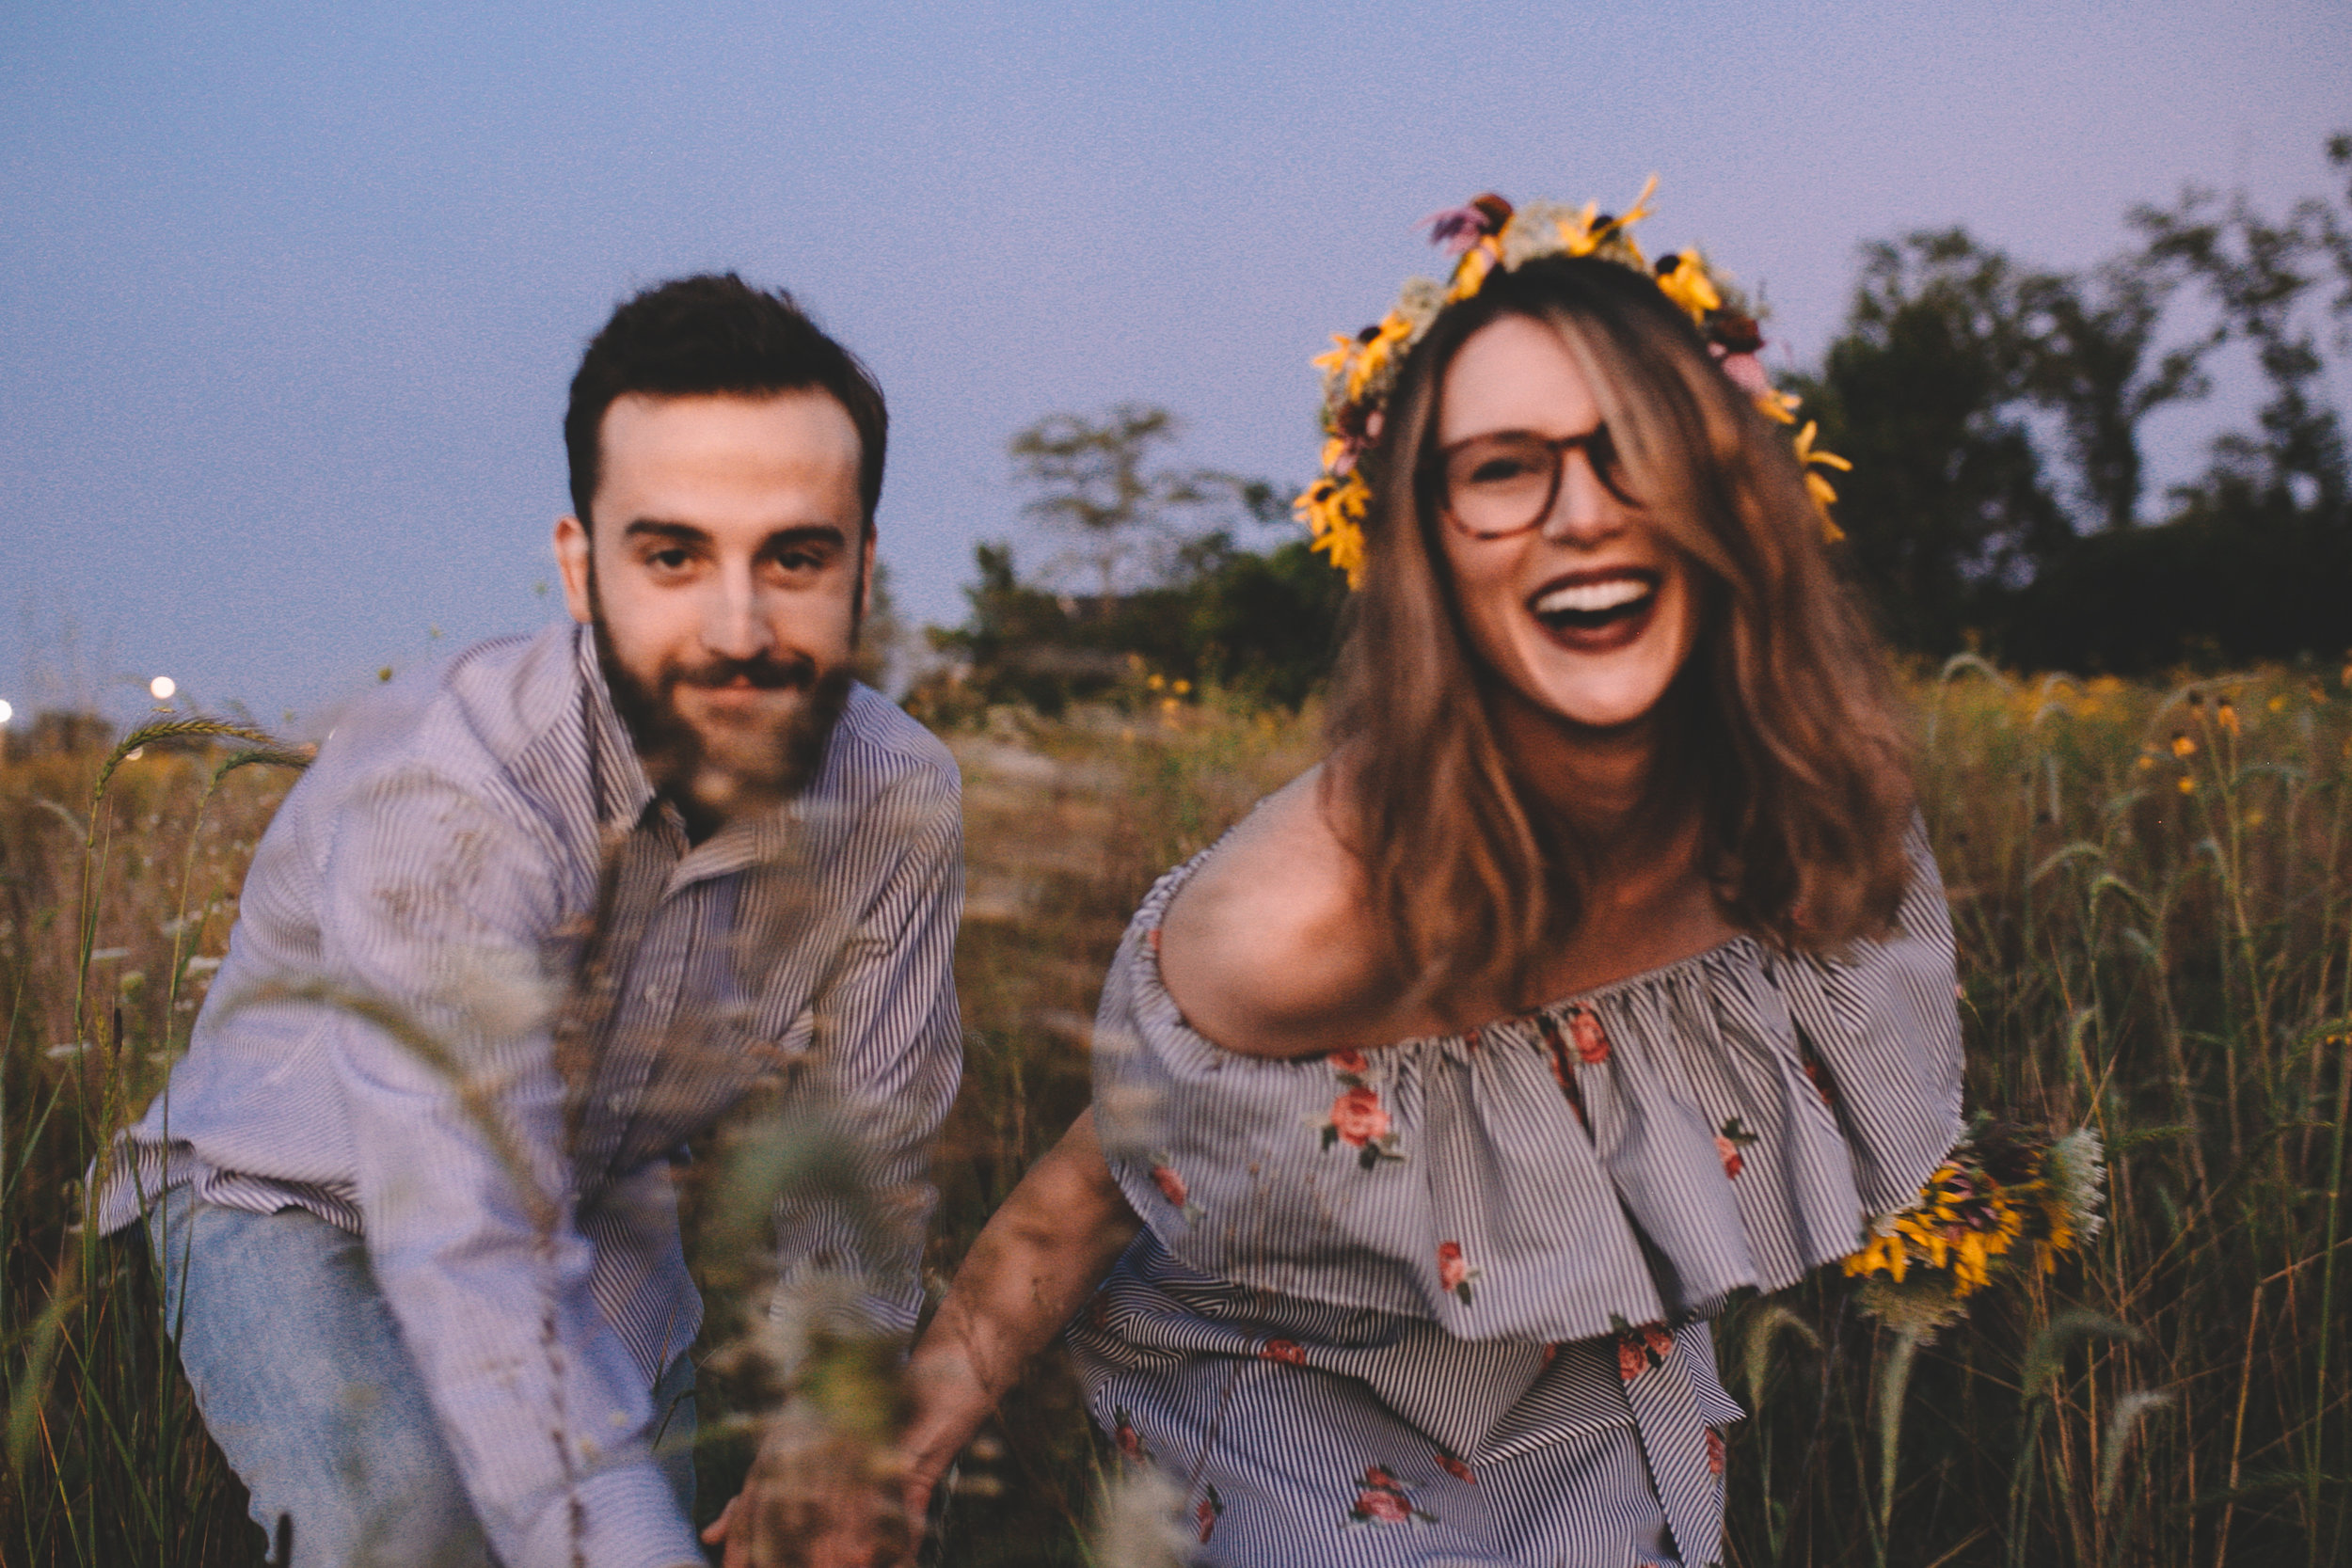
x: 717, y: 775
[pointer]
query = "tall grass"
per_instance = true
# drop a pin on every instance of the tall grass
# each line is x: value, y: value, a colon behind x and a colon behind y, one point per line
x: 2153, y: 891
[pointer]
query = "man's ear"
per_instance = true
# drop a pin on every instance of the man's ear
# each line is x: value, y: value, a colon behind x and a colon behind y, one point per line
x: 572, y: 547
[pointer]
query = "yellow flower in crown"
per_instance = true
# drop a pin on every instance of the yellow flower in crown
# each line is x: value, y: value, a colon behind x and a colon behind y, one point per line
x: 1333, y: 510
x: 1683, y: 279
x: 1486, y: 235
x: 1814, y: 485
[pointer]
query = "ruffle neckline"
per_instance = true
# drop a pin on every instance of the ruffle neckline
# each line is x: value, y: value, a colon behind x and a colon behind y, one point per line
x: 1632, y: 1154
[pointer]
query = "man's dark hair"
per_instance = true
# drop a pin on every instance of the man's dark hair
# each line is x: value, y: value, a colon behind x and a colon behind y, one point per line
x: 716, y: 334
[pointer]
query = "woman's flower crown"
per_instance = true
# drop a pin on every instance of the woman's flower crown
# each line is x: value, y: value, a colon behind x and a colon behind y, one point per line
x: 1359, y: 373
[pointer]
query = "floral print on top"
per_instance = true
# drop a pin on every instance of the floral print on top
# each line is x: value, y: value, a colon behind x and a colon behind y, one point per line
x: 1443, y: 1301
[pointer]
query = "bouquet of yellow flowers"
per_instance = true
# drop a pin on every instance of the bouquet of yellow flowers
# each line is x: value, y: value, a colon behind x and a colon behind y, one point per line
x: 2003, y: 1198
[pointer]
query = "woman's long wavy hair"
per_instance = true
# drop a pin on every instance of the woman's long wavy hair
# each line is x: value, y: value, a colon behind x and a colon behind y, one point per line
x: 1784, y: 729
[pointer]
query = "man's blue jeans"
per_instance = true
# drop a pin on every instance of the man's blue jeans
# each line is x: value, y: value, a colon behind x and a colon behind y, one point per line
x: 299, y: 1372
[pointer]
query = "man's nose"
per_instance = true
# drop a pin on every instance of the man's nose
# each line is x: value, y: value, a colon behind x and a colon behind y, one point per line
x: 734, y: 621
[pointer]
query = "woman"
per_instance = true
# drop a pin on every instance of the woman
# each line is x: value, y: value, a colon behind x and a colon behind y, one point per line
x: 1597, y: 972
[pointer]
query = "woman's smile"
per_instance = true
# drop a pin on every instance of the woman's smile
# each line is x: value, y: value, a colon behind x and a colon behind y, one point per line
x: 1597, y: 611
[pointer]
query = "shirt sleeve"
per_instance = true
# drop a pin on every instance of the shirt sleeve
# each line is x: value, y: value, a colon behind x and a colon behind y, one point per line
x: 438, y: 900
x: 886, y: 1042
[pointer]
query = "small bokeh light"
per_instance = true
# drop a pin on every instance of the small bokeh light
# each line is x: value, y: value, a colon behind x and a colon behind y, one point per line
x: 7, y: 712
x: 162, y: 687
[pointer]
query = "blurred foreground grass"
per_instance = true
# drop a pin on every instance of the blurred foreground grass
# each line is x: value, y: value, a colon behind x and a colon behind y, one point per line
x: 2152, y: 889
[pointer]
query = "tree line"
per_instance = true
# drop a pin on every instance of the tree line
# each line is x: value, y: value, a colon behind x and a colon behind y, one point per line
x: 1997, y: 416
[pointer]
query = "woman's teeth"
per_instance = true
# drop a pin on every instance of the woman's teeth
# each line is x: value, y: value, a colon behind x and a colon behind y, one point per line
x: 1593, y: 598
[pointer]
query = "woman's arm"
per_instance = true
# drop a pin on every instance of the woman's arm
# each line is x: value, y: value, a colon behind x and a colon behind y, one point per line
x: 1033, y: 1266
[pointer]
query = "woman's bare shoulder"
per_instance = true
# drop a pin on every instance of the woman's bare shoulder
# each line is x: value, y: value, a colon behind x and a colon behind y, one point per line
x: 1268, y: 950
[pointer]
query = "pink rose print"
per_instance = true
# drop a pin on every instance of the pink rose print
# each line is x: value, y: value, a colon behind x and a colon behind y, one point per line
x: 1820, y: 1082
x: 1357, y: 1116
x: 1454, y: 1271
x: 1714, y: 1453
x: 1290, y: 1350
x: 1351, y: 1062
x: 1170, y: 1182
x: 1361, y: 1122
x: 1640, y: 1348
x: 1591, y: 1044
x: 1456, y: 1469
x: 1551, y: 1353
x: 1728, y: 1143
x: 1382, y: 1500
x: 1206, y: 1512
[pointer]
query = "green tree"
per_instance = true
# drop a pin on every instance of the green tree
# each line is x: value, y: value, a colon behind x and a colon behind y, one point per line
x: 2087, y: 344
x: 1927, y: 391
x: 1095, y: 484
x: 2259, y: 276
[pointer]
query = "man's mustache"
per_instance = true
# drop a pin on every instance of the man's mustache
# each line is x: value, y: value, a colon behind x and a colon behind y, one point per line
x: 764, y: 674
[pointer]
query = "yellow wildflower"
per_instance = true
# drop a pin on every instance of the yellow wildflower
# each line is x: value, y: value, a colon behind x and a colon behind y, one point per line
x: 1576, y: 235
x: 2227, y: 714
x: 1641, y: 205
x: 2183, y: 747
x: 2186, y: 786
x: 2278, y: 705
x: 1814, y: 485
x: 1332, y: 510
x: 1469, y: 274
x: 1778, y: 407
x: 1687, y: 284
x: 1394, y: 329
x: 1331, y: 359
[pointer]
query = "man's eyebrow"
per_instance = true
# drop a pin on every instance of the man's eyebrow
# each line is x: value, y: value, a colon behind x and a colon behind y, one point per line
x: 654, y: 528
x: 804, y: 534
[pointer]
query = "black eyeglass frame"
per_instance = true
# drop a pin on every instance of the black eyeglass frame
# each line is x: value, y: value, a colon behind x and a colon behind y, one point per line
x: 1599, y: 451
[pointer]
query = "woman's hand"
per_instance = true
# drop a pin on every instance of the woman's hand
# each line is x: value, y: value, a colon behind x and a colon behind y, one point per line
x: 818, y: 1497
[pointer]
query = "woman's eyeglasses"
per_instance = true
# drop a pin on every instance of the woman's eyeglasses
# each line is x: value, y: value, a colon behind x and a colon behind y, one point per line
x: 1504, y: 483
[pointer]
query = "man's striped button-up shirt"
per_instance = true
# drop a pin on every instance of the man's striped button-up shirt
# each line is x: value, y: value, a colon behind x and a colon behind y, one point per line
x: 473, y: 941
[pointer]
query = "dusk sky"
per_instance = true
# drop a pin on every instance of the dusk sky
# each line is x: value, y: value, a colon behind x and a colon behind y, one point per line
x: 290, y: 294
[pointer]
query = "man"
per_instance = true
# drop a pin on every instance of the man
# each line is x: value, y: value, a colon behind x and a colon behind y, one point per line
x: 531, y: 921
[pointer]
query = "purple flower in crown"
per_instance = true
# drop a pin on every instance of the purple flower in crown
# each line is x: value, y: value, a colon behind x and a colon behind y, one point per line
x: 1457, y: 229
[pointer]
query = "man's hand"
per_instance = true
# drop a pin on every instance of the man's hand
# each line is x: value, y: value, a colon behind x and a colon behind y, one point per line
x: 818, y: 1497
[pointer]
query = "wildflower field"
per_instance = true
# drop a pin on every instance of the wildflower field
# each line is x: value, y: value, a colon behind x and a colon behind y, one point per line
x: 2153, y: 889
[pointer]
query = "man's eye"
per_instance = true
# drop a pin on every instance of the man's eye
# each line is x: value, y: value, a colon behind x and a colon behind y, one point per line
x: 667, y: 561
